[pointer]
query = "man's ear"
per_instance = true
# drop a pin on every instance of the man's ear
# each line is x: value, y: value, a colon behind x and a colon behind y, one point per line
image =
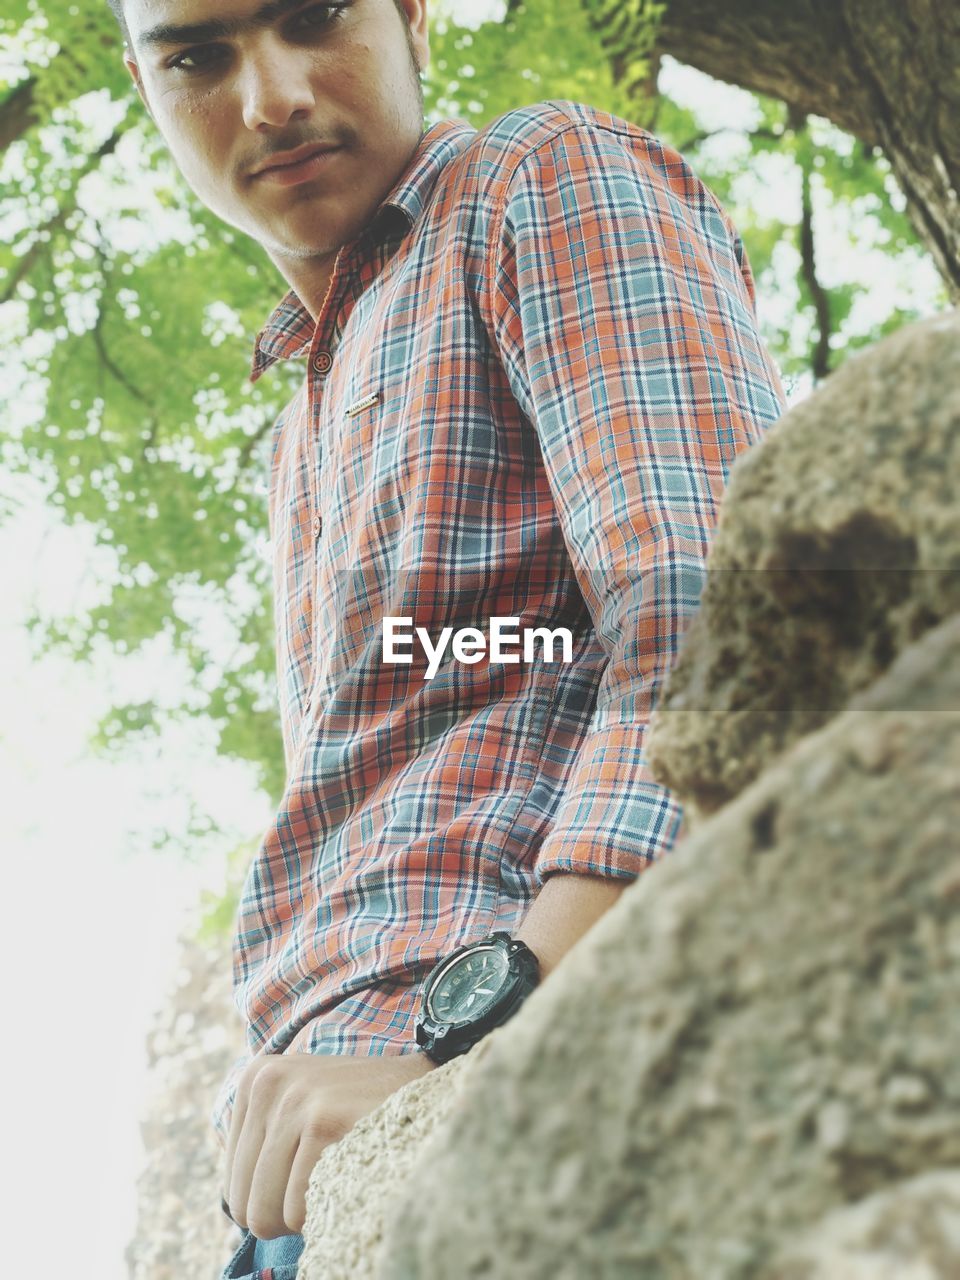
x: 416, y: 11
x: 135, y: 77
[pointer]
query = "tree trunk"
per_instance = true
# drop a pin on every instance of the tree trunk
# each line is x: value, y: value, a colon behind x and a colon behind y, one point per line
x: 16, y: 113
x: 887, y: 71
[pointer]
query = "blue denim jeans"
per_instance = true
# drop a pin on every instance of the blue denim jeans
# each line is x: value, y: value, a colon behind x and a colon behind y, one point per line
x: 265, y: 1259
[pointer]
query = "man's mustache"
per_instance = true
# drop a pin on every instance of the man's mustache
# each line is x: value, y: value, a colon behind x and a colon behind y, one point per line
x: 281, y: 145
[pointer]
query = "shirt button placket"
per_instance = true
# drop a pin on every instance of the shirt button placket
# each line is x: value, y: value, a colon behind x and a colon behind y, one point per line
x: 322, y: 363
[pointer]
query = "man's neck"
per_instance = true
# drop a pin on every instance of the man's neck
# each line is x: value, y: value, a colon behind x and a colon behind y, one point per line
x: 309, y: 278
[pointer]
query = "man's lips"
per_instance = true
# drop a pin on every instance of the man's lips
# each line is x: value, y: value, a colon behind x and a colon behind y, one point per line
x: 299, y: 165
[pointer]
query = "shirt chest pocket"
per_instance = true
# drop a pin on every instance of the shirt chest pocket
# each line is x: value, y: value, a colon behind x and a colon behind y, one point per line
x: 366, y: 479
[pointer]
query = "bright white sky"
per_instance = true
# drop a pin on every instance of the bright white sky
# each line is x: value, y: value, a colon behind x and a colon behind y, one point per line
x: 91, y: 913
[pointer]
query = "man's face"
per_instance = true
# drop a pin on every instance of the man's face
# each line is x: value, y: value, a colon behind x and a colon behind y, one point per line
x: 236, y: 86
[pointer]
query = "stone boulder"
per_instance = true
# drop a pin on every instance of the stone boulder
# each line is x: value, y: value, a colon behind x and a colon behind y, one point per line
x: 838, y: 545
x: 911, y: 1232
x: 357, y: 1181
x: 761, y: 1032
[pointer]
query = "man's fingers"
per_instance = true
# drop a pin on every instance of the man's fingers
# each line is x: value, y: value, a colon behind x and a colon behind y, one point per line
x: 236, y: 1125
x: 295, y: 1201
x: 268, y: 1187
x: 244, y: 1164
x: 286, y: 1111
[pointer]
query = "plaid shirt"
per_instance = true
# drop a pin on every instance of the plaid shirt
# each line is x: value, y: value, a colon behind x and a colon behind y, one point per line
x: 530, y: 377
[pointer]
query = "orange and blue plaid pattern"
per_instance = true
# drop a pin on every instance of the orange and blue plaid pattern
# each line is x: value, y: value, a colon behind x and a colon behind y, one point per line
x: 530, y: 377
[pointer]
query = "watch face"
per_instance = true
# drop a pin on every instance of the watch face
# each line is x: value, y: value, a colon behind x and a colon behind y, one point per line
x: 470, y: 986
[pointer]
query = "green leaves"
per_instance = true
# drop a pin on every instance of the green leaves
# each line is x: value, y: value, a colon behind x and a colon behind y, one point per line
x: 142, y: 421
x: 541, y: 50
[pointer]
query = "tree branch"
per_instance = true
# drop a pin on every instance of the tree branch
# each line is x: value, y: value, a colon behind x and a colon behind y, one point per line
x: 253, y: 440
x: 110, y: 364
x: 16, y: 112
x: 820, y: 356
x: 703, y: 134
x: 28, y: 260
x: 106, y: 360
x: 885, y: 72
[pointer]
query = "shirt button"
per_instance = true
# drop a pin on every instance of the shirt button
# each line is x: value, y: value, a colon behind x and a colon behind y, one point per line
x: 317, y: 526
x: 322, y: 361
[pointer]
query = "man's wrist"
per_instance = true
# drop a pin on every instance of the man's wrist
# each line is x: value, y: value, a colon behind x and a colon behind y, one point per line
x: 567, y: 906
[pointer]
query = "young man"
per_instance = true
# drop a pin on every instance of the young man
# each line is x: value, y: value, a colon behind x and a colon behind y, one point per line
x: 531, y: 360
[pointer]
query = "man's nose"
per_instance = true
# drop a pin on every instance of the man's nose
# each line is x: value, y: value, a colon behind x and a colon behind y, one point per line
x: 276, y: 89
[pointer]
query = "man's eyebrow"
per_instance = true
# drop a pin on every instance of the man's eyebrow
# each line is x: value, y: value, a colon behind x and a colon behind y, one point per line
x: 217, y: 28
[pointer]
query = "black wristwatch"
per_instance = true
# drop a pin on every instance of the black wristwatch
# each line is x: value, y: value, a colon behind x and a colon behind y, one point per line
x: 471, y: 991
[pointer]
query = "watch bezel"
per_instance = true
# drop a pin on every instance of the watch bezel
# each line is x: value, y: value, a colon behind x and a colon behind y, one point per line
x: 443, y: 1039
x: 451, y: 962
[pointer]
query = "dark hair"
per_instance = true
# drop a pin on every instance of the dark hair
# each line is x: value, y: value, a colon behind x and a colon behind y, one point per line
x: 116, y: 8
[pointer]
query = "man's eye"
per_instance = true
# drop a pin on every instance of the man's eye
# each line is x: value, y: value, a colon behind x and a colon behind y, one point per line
x: 318, y: 16
x: 203, y: 58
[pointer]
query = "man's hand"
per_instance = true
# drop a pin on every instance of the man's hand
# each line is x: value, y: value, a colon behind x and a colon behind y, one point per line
x: 288, y: 1108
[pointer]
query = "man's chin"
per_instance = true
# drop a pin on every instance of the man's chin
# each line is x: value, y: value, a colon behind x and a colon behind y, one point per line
x: 298, y: 250
x: 310, y: 234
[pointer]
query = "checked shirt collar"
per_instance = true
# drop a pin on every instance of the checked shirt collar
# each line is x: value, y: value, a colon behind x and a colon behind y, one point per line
x: 290, y: 328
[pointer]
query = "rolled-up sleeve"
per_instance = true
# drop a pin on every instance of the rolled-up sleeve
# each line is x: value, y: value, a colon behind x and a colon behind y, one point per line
x: 622, y: 310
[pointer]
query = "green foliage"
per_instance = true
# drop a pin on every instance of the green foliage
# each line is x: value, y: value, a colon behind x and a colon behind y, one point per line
x: 550, y: 49
x: 131, y: 311
x: 627, y: 34
x: 149, y: 430
x: 854, y: 196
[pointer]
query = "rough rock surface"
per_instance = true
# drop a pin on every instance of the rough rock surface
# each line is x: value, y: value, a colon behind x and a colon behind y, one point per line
x: 837, y: 546
x: 180, y: 1228
x: 909, y: 1233
x: 357, y: 1180
x: 760, y: 1032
